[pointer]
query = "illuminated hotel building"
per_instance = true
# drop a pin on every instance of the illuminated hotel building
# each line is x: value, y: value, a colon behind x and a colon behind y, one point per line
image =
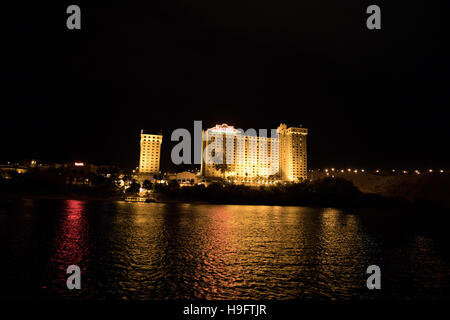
x: 292, y: 149
x: 245, y: 156
x: 150, y: 152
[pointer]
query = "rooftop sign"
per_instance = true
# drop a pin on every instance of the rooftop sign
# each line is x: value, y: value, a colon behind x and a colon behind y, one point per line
x: 224, y: 129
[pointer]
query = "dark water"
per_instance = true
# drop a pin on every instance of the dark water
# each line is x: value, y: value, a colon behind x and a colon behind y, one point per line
x: 167, y: 251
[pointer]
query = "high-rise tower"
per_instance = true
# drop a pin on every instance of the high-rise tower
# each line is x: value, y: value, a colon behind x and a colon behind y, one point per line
x: 150, y: 152
x: 292, y: 149
x: 249, y: 156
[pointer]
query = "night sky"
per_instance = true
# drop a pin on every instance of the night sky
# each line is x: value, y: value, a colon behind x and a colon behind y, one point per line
x: 369, y: 98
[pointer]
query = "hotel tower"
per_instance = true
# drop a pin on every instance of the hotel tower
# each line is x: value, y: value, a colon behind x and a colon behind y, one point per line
x: 150, y: 152
x: 244, y: 156
x: 292, y: 150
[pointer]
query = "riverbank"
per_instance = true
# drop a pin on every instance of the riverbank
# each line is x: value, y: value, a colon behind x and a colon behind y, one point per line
x: 431, y: 187
x: 332, y: 193
x: 81, y: 197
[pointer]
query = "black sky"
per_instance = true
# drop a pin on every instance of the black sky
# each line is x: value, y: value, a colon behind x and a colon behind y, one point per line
x: 369, y: 98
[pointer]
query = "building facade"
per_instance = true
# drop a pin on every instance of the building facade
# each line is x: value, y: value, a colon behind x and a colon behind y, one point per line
x: 245, y: 156
x: 150, y: 153
x: 293, y: 156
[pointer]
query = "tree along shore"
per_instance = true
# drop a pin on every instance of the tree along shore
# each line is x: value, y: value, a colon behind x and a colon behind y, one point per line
x: 325, y: 192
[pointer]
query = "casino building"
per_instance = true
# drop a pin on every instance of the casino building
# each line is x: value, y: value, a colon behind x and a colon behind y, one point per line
x: 292, y: 153
x: 150, y: 152
x: 246, y: 156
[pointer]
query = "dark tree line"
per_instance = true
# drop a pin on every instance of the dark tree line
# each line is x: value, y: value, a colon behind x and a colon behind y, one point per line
x: 327, y: 192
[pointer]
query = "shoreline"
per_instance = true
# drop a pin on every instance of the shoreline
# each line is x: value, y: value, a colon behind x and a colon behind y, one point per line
x: 166, y: 200
x: 59, y: 197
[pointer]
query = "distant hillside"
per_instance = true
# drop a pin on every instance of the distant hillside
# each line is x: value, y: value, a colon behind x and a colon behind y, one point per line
x: 429, y: 187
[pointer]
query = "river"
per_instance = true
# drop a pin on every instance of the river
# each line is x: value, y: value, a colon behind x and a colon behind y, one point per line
x: 196, y: 251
